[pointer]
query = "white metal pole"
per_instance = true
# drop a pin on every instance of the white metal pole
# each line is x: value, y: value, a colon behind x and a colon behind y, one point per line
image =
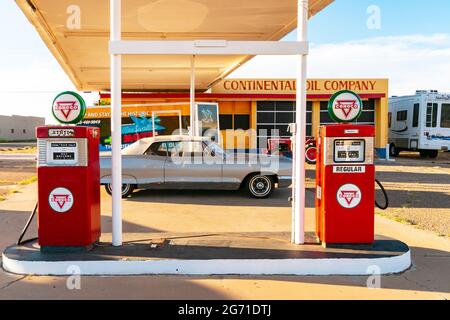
x: 192, y: 97
x: 116, y: 125
x: 153, y: 124
x: 300, y: 137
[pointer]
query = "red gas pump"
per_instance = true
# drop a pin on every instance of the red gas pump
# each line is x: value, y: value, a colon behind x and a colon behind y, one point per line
x: 345, y: 184
x: 68, y: 187
x: 345, y: 175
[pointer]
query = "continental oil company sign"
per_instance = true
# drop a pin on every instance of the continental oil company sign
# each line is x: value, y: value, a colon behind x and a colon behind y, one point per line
x: 288, y: 86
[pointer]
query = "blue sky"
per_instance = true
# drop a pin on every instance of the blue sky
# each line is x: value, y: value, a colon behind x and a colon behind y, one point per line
x: 346, y: 20
x: 411, y: 48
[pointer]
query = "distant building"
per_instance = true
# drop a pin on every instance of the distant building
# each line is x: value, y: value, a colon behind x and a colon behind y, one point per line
x: 19, y: 128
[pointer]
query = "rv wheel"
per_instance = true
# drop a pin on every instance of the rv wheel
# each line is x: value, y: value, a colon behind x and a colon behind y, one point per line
x: 423, y: 153
x: 433, y: 154
x: 393, y: 151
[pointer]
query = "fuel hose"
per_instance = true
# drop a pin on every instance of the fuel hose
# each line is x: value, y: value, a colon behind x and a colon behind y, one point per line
x: 33, y: 213
x: 386, y: 204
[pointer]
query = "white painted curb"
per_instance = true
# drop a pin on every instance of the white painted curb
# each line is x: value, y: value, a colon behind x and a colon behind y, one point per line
x: 344, y: 266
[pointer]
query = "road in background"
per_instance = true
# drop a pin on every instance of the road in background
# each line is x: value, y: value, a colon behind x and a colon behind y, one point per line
x: 4, y: 145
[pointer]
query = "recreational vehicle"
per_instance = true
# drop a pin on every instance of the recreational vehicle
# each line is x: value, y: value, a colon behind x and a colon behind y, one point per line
x: 419, y: 123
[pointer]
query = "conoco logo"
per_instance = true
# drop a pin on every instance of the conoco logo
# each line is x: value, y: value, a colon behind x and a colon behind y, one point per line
x: 69, y: 107
x: 60, y: 200
x: 349, y: 196
x: 346, y: 106
x: 66, y: 107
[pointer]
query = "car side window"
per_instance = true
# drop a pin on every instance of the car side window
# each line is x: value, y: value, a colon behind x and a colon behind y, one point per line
x: 173, y: 147
x: 158, y: 149
x: 191, y: 148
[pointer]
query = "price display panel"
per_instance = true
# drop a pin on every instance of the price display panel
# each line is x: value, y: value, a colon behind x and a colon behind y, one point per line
x: 62, y: 152
x: 349, y: 150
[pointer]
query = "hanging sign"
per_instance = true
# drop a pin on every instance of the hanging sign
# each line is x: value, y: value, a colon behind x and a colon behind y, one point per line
x: 345, y: 106
x: 69, y: 108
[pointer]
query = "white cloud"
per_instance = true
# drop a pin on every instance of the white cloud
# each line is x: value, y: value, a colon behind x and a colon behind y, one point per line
x: 410, y: 62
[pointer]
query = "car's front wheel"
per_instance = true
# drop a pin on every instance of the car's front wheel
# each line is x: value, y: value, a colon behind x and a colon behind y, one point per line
x: 260, y: 186
x: 127, y: 189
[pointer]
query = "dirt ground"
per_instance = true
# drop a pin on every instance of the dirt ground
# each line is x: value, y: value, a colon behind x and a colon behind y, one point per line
x: 418, y: 190
x: 14, y: 172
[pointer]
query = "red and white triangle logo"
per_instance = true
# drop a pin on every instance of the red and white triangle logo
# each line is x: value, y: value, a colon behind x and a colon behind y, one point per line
x: 349, y: 195
x: 61, y: 199
x: 66, y: 107
x: 346, y: 106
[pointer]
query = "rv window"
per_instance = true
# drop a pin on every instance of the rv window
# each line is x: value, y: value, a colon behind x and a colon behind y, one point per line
x: 415, y: 123
x: 389, y: 119
x: 445, y: 115
x: 435, y: 111
x: 402, y: 115
x: 432, y: 109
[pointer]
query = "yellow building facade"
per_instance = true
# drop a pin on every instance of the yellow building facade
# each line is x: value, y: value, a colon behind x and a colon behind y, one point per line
x: 253, y: 108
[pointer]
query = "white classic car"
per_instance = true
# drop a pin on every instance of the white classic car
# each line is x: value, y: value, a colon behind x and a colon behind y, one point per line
x: 185, y: 162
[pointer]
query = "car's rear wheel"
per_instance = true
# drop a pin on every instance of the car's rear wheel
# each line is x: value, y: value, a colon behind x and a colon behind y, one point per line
x: 127, y: 189
x: 260, y: 186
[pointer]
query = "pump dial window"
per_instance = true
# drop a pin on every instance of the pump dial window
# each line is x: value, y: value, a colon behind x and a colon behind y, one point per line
x: 349, y: 150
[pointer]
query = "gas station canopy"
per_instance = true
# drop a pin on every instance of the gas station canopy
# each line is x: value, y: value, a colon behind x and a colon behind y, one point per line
x: 82, y: 50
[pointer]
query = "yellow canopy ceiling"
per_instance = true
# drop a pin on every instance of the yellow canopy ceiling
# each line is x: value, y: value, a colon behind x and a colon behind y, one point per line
x: 83, y: 52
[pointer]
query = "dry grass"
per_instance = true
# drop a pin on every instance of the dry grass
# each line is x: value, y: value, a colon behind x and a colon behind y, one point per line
x: 28, y: 181
x: 24, y: 150
x: 17, y: 188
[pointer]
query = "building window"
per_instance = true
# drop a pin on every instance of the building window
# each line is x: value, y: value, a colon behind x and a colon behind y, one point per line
x: 389, y: 119
x: 236, y: 122
x: 24, y: 131
x: 226, y: 121
x: 415, y: 123
x: 12, y: 130
x: 273, y: 119
x: 402, y: 115
x: 241, y: 121
x: 445, y: 115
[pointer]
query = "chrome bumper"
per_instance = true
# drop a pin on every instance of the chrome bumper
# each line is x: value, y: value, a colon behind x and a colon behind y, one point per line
x: 284, y: 181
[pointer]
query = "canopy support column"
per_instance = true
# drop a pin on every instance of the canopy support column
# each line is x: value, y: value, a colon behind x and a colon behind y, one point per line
x: 298, y: 192
x: 192, y: 98
x: 116, y: 125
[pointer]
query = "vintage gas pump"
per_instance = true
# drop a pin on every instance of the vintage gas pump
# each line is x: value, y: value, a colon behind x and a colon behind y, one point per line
x: 345, y: 175
x: 68, y: 181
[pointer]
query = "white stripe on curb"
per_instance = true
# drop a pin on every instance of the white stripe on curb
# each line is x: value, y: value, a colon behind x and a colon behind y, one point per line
x: 344, y: 266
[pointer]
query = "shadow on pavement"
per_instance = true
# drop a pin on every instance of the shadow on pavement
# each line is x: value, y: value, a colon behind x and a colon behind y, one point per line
x: 278, y: 199
x: 412, y: 177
